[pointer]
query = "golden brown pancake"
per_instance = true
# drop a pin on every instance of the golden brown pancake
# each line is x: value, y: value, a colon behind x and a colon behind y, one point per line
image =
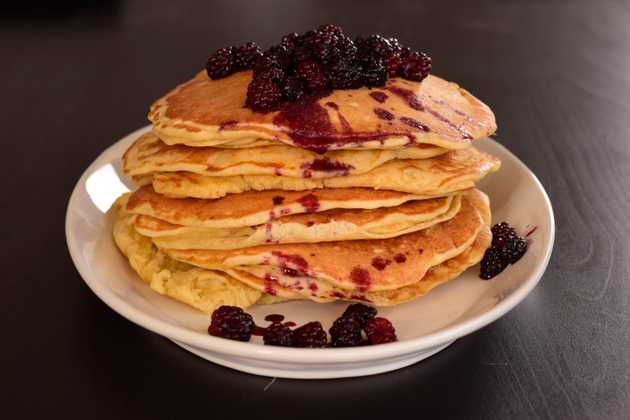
x: 256, y: 208
x: 322, y: 291
x: 202, y: 289
x: 205, y: 290
x: 454, y: 171
x: 204, y: 112
x: 328, y: 226
x: 352, y: 264
x: 149, y: 154
x: 290, y: 288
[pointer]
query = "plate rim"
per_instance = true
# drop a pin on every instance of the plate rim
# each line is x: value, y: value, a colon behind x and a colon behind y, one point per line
x: 307, y: 356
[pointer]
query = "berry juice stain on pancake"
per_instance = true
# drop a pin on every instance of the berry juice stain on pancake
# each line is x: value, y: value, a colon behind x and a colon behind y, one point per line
x: 380, y: 263
x: 414, y: 102
x: 383, y: 114
x: 361, y: 277
x: 379, y: 97
x: 277, y: 200
x: 310, y: 202
x: 326, y: 165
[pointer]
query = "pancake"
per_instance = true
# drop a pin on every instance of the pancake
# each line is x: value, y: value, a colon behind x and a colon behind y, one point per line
x: 322, y: 291
x: 441, y: 175
x: 328, y: 226
x: 256, y: 208
x: 202, y: 289
x: 149, y: 154
x: 299, y: 287
x: 357, y: 265
x: 204, y: 112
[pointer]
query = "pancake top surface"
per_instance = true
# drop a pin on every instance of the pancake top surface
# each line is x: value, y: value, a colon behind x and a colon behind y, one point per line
x: 204, y: 112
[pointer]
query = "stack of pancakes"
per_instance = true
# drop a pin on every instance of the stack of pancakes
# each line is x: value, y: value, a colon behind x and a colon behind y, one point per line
x: 361, y: 195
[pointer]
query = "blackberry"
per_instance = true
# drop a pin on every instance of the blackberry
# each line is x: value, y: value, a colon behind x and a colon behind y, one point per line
x: 345, y: 332
x: 395, y: 44
x: 492, y: 263
x: 507, y: 247
x: 331, y: 29
x: 502, y: 233
x: 300, y: 53
x: 268, y: 67
x: 344, y: 75
x: 221, y: 63
x: 505, y: 238
x: 392, y: 63
x: 281, y: 55
x: 293, y: 89
x: 416, y: 67
x: 374, y: 45
x: 362, y: 313
x: 278, y: 334
x: 514, y: 250
x: 232, y: 323
x: 289, y: 42
x: 343, y: 50
x: 313, y: 76
x: 321, y: 44
x: 246, y: 55
x: 263, y: 95
x: 304, y: 44
x: 405, y: 52
x: 310, y: 335
x: 373, y: 71
x: 380, y: 331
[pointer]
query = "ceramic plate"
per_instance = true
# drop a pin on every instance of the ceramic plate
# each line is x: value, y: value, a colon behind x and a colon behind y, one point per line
x: 424, y: 326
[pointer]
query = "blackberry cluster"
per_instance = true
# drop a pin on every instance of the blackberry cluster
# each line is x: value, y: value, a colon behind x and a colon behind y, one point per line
x: 507, y: 248
x: 346, y: 330
x: 315, y: 62
x: 232, y: 323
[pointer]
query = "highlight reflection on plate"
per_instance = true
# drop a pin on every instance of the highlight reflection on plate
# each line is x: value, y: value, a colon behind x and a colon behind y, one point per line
x: 424, y: 326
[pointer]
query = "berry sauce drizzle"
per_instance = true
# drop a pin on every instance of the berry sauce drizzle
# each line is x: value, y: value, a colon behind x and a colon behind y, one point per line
x: 310, y: 202
x: 378, y: 96
x: 310, y: 127
x: 326, y: 165
x: 383, y: 114
x: 414, y: 102
x: 274, y: 318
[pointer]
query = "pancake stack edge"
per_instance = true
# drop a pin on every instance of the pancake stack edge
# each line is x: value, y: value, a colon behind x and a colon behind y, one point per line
x: 261, y: 216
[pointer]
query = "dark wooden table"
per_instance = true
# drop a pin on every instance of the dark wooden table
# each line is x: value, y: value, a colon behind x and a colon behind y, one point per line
x: 74, y: 78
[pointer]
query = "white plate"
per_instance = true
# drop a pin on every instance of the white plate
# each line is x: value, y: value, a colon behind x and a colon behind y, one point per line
x: 424, y: 326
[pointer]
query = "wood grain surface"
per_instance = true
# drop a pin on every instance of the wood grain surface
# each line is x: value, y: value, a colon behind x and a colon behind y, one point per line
x: 77, y: 76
